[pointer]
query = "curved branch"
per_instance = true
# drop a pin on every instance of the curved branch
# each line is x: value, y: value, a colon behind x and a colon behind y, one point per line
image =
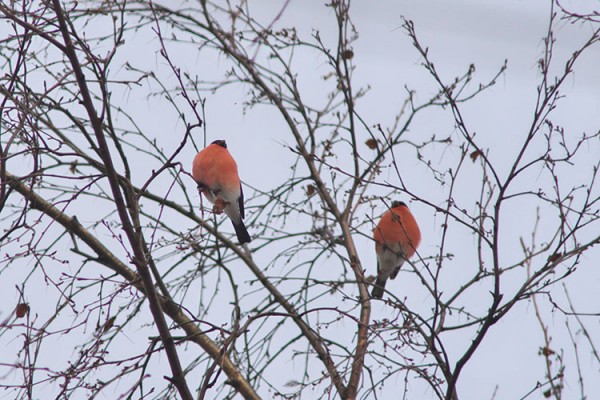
x: 108, y: 259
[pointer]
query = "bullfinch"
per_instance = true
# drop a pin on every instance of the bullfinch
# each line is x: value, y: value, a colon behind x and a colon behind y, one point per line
x: 397, y: 237
x: 216, y: 174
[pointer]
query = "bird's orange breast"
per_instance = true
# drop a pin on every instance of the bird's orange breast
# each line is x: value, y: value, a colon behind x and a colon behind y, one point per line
x: 398, y: 228
x: 214, y: 167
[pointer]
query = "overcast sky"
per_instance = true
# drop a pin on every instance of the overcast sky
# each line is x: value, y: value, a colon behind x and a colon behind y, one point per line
x: 458, y: 33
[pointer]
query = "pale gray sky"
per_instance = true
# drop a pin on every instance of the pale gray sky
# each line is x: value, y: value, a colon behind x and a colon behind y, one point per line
x: 457, y: 33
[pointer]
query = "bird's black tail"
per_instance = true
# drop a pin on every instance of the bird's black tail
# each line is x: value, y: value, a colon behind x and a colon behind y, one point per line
x: 241, y: 232
x: 378, y: 288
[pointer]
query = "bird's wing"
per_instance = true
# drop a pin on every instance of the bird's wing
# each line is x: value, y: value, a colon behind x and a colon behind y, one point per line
x: 241, y: 201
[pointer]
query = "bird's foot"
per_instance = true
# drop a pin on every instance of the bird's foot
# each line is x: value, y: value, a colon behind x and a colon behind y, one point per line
x: 219, y: 205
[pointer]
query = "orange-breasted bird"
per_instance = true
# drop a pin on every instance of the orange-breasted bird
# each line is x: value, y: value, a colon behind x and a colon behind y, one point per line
x: 397, y: 237
x: 216, y: 173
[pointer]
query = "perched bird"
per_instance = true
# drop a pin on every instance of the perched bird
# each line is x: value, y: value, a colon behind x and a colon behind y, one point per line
x: 397, y: 237
x: 216, y: 173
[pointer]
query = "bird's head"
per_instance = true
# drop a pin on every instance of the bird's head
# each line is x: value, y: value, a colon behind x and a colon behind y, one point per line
x: 397, y: 203
x: 221, y: 143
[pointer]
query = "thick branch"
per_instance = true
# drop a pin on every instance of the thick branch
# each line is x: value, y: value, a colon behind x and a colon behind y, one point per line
x: 108, y: 259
